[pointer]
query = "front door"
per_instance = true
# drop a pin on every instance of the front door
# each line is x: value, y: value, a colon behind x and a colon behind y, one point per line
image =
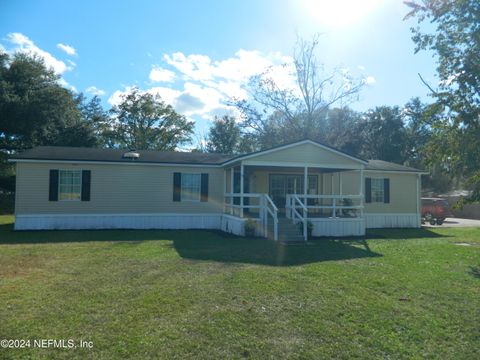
x: 283, y: 184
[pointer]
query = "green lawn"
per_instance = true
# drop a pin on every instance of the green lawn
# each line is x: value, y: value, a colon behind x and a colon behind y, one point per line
x: 196, y: 294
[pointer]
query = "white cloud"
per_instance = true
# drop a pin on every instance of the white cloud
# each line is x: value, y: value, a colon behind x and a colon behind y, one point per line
x: 370, y: 80
x: 193, y: 100
x: 238, y: 68
x: 209, y: 85
x: 23, y: 44
x: 95, y: 91
x: 159, y: 74
x: 69, y: 50
x: 66, y: 85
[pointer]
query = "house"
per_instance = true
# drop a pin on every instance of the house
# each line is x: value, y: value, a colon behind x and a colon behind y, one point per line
x: 298, y: 183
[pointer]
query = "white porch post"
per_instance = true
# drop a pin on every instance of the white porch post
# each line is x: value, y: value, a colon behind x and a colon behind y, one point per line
x: 324, y: 191
x: 340, y: 184
x: 224, y: 190
x: 362, y: 193
x: 232, y: 174
x: 332, y: 191
x: 242, y: 173
x: 305, y: 212
x: 419, y: 184
x: 305, y: 184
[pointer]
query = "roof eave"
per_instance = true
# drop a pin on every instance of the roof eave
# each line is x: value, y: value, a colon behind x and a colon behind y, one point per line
x: 280, y: 147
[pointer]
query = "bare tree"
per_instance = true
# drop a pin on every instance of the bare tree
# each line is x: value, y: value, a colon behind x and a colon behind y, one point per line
x: 315, y: 91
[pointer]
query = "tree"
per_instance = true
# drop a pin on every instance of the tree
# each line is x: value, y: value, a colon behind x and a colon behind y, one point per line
x: 98, y: 119
x: 383, y: 135
x: 144, y: 121
x: 417, y: 118
x: 340, y: 130
x: 456, y: 43
x: 224, y: 136
x: 35, y: 109
x: 272, y: 107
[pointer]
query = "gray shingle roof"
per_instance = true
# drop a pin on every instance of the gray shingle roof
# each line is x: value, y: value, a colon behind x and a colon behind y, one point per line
x: 150, y: 156
x: 388, y: 166
x: 116, y: 155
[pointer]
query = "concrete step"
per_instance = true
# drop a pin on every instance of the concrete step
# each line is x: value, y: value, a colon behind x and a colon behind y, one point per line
x: 288, y: 232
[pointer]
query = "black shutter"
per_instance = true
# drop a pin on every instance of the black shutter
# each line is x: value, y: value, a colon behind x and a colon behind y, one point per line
x: 386, y: 191
x: 86, y: 176
x: 177, y: 186
x: 368, y: 190
x: 204, y: 188
x: 53, y: 189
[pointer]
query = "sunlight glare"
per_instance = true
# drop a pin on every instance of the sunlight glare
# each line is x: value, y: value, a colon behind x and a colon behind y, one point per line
x: 340, y: 13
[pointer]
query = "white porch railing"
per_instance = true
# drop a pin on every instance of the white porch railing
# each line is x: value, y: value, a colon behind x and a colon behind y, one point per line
x: 294, y: 214
x: 262, y: 202
x: 339, y: 204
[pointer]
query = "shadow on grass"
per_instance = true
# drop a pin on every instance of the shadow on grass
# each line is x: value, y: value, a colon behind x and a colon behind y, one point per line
x: 207, y: 245
x: 475, y: 271
x: 403, y: 234
x: 267, y: 252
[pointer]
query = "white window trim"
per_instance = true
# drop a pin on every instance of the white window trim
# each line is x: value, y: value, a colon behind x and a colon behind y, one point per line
x: 81, y: 185
x: 182, y: 199
x: 382, y: 180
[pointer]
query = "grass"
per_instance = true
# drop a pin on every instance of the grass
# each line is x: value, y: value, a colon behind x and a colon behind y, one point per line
x: 197, y: 294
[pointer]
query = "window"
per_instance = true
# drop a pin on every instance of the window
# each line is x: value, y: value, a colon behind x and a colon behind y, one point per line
x: 69, y: 184
x: 378, y: 191
x: 191, y: 187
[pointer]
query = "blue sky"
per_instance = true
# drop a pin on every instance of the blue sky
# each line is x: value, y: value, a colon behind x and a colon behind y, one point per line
x: 197, y: 53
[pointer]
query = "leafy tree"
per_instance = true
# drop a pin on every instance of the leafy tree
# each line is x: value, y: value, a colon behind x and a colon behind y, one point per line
x: 383, y: 135
x: 456, y: 44
x: 35, y: 109
x: 224, y: 136
x: 417, y: 118
x: 98, y: 119
x: 295, y: 111
x: 340, y: 130
x: 144, y: 121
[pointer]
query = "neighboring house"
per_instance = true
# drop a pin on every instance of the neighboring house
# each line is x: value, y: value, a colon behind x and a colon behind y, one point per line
x: 301, y: 182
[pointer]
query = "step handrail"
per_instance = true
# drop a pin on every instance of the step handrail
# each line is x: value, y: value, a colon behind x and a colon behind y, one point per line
x: 304, y: 218
x: 270, y: 207
x: 266, y: 207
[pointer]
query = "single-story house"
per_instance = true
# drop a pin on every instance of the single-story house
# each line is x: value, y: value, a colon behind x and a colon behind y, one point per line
x: 308, y: 183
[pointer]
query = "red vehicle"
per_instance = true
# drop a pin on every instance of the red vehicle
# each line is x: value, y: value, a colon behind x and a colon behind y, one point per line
x: 435, y: 210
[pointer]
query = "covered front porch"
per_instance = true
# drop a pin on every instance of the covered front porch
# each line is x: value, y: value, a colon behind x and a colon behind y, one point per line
x: 323, y: 200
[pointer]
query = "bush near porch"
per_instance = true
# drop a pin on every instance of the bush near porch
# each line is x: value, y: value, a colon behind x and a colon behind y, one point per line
x: 198, y: 294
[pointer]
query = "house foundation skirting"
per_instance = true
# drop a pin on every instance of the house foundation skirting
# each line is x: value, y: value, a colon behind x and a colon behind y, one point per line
x: 117, y: 221
x: 337, y: 227
x: 230, y: 224
x: 375, y: 221
x: 236, y: 226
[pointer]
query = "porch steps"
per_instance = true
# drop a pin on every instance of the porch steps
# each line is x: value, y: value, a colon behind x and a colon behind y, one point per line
x: 288, y: 232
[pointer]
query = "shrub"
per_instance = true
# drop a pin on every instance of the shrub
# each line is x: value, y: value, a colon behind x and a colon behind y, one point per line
x: 309, y: 228
x: 250, y: 226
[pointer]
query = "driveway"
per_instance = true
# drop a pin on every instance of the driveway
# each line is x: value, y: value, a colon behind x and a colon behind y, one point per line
x: 456, y: 222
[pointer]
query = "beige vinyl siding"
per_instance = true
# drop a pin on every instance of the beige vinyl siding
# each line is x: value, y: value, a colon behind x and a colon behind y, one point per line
x: 115, y: 189
x: 350, y: 183
x: 305, y: 153
x: 403, y: 193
